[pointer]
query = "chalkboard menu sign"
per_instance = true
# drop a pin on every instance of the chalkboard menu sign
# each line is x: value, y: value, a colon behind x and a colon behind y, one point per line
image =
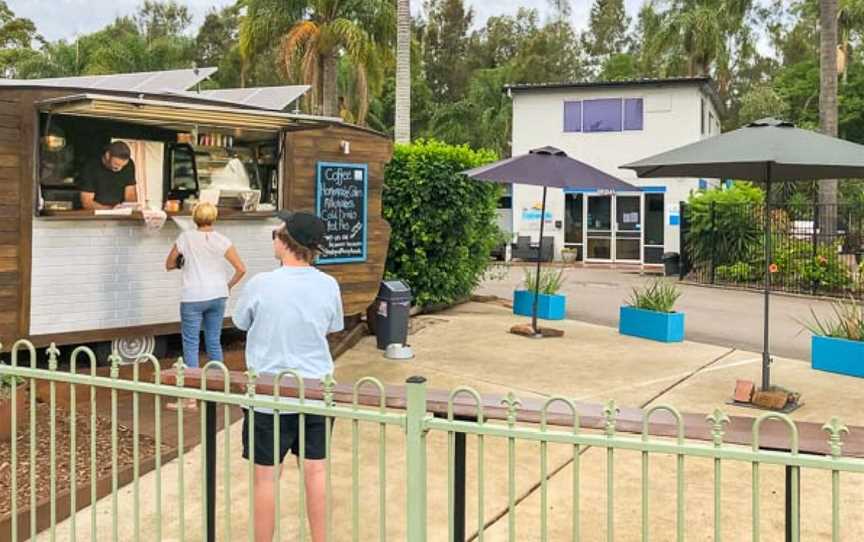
x: 341, y: 201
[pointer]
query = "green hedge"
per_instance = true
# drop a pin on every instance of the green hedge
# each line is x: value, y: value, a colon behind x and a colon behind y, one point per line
x: 443, y: 224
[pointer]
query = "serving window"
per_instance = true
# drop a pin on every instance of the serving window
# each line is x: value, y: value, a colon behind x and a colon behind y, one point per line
x: 175, y: 165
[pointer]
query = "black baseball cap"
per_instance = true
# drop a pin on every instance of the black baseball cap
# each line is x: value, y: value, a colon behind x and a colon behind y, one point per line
x: 307, y: 229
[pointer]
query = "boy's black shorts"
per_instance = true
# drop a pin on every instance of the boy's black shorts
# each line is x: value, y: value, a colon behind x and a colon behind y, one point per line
x: 289, y: 437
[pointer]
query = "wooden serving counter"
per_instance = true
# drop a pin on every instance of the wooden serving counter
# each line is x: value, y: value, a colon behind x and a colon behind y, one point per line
x: 82, y: 214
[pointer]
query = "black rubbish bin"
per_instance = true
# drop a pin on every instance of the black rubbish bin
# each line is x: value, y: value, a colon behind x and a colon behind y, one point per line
x: 671, y: 264
x: 391, y: 316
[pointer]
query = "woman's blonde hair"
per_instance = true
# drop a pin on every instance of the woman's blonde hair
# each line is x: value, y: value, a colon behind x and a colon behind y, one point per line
x: 205, y: 214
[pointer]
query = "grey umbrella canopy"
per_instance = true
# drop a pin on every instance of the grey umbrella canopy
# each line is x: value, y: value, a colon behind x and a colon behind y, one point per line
x: 547, y: 167
x: 765, y: 151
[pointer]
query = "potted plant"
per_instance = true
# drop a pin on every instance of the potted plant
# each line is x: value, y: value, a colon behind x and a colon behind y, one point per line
x: 550, y: 304
x: 650, y: 313
x: 837, y: 345
x: 569, y: 254
x: 7, y: 383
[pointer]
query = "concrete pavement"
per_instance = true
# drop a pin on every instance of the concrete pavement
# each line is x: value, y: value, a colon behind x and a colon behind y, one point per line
x: 469, y: 345
x: 723, y: 317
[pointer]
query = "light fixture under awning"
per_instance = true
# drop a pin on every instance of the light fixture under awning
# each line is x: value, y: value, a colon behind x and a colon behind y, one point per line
x: 180, y: 114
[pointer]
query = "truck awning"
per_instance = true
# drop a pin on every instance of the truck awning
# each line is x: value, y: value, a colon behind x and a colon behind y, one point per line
x: 180, y: 115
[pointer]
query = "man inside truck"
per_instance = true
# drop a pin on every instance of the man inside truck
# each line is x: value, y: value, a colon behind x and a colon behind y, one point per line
x: 108, y: 180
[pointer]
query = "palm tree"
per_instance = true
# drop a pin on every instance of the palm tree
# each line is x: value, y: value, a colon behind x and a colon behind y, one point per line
x: 358, y: 29
x: 828, y: 102
x: 403, y: 72
x: 262, y: 24
x: 702, y: 32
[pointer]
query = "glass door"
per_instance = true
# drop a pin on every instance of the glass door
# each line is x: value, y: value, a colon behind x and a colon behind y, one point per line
x: 654, y: 225
x: 598, y: 228
x: 628, y: 228
x: 574, y: 231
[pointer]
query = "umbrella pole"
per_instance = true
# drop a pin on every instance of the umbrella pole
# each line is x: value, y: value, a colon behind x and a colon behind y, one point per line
x: 766, y: 355
x: 539, y: 260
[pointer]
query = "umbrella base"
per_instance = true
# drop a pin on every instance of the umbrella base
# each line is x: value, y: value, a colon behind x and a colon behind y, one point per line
x: 775, y: 399
x: 525, y: 330
x: 789, y: 408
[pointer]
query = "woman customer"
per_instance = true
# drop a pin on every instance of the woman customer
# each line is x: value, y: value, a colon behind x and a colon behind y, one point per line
x: 201, y: 255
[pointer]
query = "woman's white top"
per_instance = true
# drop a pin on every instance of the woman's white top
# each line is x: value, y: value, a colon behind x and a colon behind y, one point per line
x: 205, y: 270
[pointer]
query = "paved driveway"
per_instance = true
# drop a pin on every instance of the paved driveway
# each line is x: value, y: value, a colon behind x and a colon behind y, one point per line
x: 715, y: 316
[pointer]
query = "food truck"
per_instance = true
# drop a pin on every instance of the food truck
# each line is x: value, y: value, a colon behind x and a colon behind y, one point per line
x: 73, y: 276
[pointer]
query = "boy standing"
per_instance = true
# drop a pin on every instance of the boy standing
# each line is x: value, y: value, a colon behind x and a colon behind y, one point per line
x: 287, y: 314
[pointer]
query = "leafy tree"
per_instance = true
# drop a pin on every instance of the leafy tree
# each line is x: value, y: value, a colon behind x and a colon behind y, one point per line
x: 445, y: 47
x: 762, y: 102
x: 619, y: 67
x: 483, y: 118
x: 162, y: 19
x: 217, y: 45
x: 502, y: 38
x: 17, y: 36
x: 607, y: 33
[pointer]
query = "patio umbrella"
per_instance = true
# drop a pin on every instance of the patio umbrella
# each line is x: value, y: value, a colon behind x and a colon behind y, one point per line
x: 548, y: 167
x: 764, y: 151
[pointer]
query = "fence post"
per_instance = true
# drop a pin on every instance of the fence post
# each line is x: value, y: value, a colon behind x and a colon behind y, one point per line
x: 416, y: 458
x: 713, y: 240
x: 814, y: 240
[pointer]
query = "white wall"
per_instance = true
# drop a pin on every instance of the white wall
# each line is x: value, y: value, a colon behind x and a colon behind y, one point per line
x: 111, y: 273
x: 671, y: 119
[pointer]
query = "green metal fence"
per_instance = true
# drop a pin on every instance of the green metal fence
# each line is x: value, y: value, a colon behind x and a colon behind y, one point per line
x: 415, y: 416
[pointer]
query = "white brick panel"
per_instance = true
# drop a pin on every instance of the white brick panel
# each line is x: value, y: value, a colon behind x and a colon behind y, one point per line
x: 107, y: 274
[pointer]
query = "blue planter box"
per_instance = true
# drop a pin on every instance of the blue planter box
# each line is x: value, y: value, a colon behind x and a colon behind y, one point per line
x: 658, y: 326
x: 549, y: 307
x: 837, y: 355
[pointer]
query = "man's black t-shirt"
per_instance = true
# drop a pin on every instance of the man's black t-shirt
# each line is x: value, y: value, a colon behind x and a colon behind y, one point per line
x: 107, y: 185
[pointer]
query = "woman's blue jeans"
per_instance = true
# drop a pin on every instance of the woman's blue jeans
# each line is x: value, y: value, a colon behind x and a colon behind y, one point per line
x: 192, y: 315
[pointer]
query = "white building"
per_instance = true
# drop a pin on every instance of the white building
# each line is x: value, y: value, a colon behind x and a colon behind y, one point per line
x: 608, y: 124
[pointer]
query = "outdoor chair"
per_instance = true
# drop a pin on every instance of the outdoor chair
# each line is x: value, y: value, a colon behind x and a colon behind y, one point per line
x: 525, y: 250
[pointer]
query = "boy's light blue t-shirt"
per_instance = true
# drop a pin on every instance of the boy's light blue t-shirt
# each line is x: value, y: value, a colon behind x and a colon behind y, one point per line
x: 287, y: 314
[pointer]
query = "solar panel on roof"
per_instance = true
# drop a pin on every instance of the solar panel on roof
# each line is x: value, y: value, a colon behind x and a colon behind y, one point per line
x: 158, y: 81
x: 275, y: 98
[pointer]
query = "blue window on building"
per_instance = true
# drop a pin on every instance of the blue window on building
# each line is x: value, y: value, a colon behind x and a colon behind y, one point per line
x: 603, y: 115
x: 633, y: 114
x: 572, y: 116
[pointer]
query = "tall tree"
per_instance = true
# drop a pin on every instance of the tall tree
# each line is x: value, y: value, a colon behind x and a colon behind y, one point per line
x: 161, y: 19
x: 828, y: 101
x: 445, y: 48
x: 403, y: 72
x: 217, y: 45
x: 17, y: 36
x: 607, y: 33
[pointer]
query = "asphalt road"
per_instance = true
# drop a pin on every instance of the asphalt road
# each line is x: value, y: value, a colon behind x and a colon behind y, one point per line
x: 716, y: 316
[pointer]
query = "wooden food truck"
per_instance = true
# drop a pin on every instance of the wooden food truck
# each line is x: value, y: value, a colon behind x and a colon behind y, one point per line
x: 72, y: 276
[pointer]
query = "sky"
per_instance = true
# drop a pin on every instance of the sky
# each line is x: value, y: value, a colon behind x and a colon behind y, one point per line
x: 56, y: 19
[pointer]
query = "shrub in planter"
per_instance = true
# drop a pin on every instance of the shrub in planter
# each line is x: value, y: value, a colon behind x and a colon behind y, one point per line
x: 7, y: 383
x: 837, y: 345
x: 550, y: 304
x: 650, y: 313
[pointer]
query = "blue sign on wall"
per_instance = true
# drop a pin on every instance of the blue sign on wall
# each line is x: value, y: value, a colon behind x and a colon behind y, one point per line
x: 341, y: 200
